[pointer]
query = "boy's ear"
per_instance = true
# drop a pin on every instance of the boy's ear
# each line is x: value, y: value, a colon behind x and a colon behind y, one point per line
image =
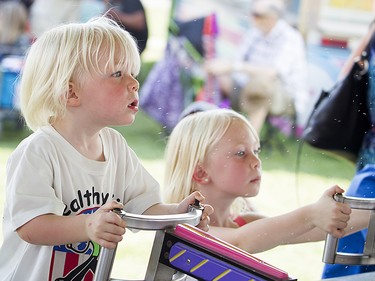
x: 200, y: 175
x: 72, y: 98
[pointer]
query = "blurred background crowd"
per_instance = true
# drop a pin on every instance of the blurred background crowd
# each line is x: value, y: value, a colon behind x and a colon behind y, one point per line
x: 297, y: 48
x: 195, y: 50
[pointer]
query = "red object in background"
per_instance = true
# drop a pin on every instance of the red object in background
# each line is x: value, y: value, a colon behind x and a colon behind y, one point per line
x: 210, y: 92
x: 335, y: 43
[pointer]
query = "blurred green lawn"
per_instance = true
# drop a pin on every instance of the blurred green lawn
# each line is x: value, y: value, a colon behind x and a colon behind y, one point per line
x: 283, y: 189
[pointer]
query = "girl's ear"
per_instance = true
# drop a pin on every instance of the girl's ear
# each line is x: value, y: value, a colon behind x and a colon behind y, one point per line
x: 200, y: 175
x: 72, y: 98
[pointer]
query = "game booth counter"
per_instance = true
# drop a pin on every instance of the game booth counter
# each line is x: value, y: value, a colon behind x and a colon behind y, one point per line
x: 183, y: 252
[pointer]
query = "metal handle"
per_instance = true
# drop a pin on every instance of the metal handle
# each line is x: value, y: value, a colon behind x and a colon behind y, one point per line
x: 355, y: 202
x: 330, y: 254
x: 159, y: 222
x: 145, y: 222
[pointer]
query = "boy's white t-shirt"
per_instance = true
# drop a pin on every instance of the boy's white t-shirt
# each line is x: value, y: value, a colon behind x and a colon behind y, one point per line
x: 45, y: 174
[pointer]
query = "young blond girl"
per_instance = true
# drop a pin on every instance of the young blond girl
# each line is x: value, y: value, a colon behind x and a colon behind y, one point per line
x: 216, y: 152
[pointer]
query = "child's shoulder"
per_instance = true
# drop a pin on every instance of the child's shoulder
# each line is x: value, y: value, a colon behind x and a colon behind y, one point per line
x: 40, y: 142
x: 114, y: 140
x: 111, y: 132
x: 41, y: 137
x: 112, y: 135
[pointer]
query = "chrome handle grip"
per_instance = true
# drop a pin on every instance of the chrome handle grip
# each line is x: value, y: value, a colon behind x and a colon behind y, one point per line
x: 145, y: 222
x: 355, y: 202
x: 330, y: 254
x: 159, y: 222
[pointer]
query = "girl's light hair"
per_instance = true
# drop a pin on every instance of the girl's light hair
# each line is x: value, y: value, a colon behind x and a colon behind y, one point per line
x: 65, y: 54
x: 13, y: 21
x: 188, y: 145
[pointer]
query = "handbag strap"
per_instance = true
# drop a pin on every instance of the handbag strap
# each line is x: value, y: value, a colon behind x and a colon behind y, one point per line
x: 362, y: 61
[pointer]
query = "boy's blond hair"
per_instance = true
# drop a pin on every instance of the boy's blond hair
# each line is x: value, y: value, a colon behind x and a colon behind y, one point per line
x: 65, y: 54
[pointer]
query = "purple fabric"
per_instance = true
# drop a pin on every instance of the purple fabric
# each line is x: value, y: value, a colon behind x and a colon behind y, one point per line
x: 162, y: 96
x: 173, y: 83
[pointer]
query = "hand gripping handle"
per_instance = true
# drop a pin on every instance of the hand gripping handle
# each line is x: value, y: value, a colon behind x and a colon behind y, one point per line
x: 145, y: 222
x: 330, y: 254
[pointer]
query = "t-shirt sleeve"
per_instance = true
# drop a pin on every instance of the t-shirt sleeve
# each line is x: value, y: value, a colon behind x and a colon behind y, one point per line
x: 29, y: 191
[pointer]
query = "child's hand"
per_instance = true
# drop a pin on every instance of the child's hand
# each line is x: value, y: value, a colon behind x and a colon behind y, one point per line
x: 208, y: 210
x: 106, y: 227
x: 204, y: 224
x: 331, y: 216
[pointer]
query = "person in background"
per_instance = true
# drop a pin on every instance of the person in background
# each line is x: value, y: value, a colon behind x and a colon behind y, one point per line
x: 216, y: 152
x: 131, y: 15
x: 64, y: 180
x: 15, y: 38
x: 27, y: 3
x: 363, y: 182
x: 91, y: 9
x: 272, y: 54
x: 46, y: 14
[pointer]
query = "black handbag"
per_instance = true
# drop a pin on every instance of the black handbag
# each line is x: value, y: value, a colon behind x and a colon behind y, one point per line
x: 340, y: 117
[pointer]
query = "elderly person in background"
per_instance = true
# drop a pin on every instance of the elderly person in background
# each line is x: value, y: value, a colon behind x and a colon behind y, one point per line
x: 269, y: 75
x: 45, y: 14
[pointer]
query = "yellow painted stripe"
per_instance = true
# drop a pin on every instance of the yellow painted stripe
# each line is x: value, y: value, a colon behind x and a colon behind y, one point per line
x: 179, y: 254
x: 198, y: 265
x: 222, y: 275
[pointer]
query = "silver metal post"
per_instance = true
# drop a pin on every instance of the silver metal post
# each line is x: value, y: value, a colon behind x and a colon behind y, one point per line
x: 105, y: 264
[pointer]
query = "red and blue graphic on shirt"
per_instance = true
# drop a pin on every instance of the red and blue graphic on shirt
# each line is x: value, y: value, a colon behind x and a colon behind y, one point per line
x: 73, y: 262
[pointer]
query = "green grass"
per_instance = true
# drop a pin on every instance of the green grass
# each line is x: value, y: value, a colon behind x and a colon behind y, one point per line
x: 283, y: 189
x: 291, y: 178
x: 302, y: 158
x: 145, y: 136
x: 148, y: 140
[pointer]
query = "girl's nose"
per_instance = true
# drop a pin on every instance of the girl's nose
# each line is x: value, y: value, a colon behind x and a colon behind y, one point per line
x: 255, y: 162
x: 134, y: 85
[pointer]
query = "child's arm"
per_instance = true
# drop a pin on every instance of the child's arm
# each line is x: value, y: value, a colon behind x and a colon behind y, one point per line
x: 252, y: 216
x: 103, y: 227
x: 168, y: 209
x: 267, y: 233
x: 359, y: 219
